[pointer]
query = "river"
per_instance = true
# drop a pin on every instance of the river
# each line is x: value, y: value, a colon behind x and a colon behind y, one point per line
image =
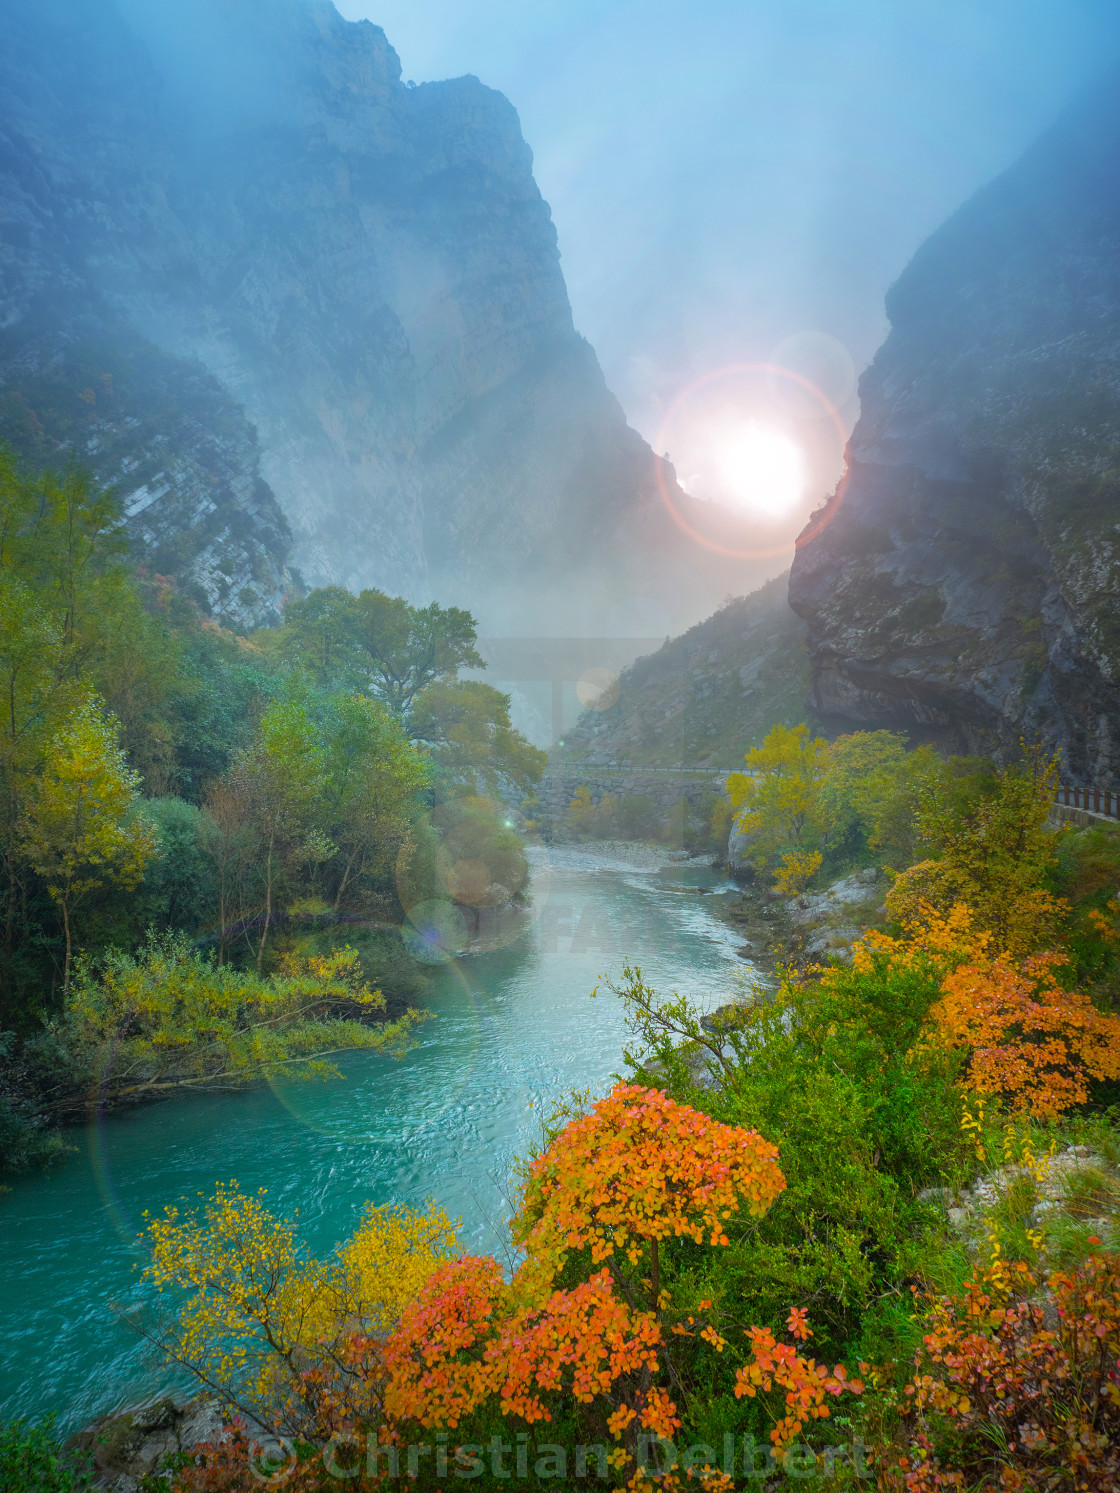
x: 514, y: 1030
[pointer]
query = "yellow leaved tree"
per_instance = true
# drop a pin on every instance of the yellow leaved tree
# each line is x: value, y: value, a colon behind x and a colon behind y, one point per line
x: 291, y: 1340
x: 776, y: 801
x: 996, y: 855
x: 80, y: 829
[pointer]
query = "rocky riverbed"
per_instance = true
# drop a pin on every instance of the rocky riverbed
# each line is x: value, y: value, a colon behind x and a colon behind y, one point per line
x: 797, y: 931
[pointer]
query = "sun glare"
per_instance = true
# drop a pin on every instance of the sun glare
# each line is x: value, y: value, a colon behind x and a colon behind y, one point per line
x: 764, y: 472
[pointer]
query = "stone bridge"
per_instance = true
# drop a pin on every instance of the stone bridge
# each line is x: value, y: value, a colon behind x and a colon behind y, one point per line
x: 663, y: 786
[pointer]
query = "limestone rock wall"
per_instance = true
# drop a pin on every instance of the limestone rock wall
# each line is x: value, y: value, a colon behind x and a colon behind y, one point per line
x: 963, y: 582
x: 366, y: 268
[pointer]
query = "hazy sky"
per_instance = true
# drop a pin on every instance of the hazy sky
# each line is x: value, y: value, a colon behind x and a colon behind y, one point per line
x: 725, y: 174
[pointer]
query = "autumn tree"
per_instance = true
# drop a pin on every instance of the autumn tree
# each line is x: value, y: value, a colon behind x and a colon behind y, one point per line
x: 591, y: 1314
x: 78, y: 831
x: 318, y: 635
x: 995, y: 853
x: 397, y: 1331
x: 776, y: 801
x: 581, y: 812
x: 289, y: 1340
x: 639, y: 1169
x: 1031, y: 1041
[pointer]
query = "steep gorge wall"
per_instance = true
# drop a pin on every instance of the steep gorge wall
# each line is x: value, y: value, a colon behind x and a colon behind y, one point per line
x: 366, y: 268
x: 963, y: 583
x: 80, y: 174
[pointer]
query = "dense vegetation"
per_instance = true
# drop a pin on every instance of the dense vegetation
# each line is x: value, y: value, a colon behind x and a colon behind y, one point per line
x: 210, y: 842
x: 862, y: 1226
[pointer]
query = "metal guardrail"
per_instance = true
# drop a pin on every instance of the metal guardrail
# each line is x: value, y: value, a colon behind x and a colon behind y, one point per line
x: 1093, y: 800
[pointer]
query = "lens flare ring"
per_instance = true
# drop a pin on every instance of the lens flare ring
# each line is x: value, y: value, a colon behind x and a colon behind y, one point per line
x: 768, y: 370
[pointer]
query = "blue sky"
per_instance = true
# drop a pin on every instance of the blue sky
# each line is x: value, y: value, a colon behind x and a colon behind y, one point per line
x: 725, y: 174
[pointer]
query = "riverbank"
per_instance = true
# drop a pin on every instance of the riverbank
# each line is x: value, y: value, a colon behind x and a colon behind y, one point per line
x: 129, y: 1448
x: 781, y: 932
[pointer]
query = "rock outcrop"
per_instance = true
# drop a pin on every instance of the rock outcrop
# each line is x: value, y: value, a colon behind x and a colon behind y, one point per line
x: 366, y: 267
x: 963, y: 581
x: 178, y: 450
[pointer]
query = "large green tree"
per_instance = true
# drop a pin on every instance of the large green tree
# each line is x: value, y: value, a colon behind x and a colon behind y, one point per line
x: 277, y: 784
x: 371, y: 794
x: 377, y: 642
x: 313, y: 811
x: 466, y: 727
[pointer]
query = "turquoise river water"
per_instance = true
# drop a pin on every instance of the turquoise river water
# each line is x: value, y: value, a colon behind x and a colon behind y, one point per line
x: 515, y: 1029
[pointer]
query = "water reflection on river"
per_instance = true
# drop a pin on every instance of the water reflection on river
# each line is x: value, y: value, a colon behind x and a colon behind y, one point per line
x: 515, y: 1030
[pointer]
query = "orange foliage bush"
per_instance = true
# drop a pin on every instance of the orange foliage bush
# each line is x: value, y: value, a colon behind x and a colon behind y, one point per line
x: 452, y: 1350
x: 636, y: 1170
x: 806, y: 1382
x: 639, y: 1168
x: 1011, y: 1401
x: 587, y: 1331
x: 1032, y: 1042
x: 432, y: 1377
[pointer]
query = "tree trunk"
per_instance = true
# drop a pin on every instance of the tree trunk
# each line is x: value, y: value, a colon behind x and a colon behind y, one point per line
x: 63, y: 903
x: 223, y: 921
x: 267, y: 902
x: 655, y: 1276
x: 345, y: 878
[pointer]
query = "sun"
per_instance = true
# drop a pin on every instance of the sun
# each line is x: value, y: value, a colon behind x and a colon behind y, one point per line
x: 763, y: 471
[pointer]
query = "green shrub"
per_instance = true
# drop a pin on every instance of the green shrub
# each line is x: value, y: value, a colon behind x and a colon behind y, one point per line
x: 636, y: 817
x: 827, y: 1070
x: 25, y: 1140
x: 32, y: 1460
x: 171, y: 1018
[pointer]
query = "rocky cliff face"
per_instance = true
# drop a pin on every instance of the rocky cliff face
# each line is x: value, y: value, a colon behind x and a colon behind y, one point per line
x: 366, y: 267
x: 77, y: 380
x: 162, y: 432
x: 963, y: 582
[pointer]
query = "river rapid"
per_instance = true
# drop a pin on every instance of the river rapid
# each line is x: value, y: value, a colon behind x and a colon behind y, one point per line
x: 515, y: 1029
